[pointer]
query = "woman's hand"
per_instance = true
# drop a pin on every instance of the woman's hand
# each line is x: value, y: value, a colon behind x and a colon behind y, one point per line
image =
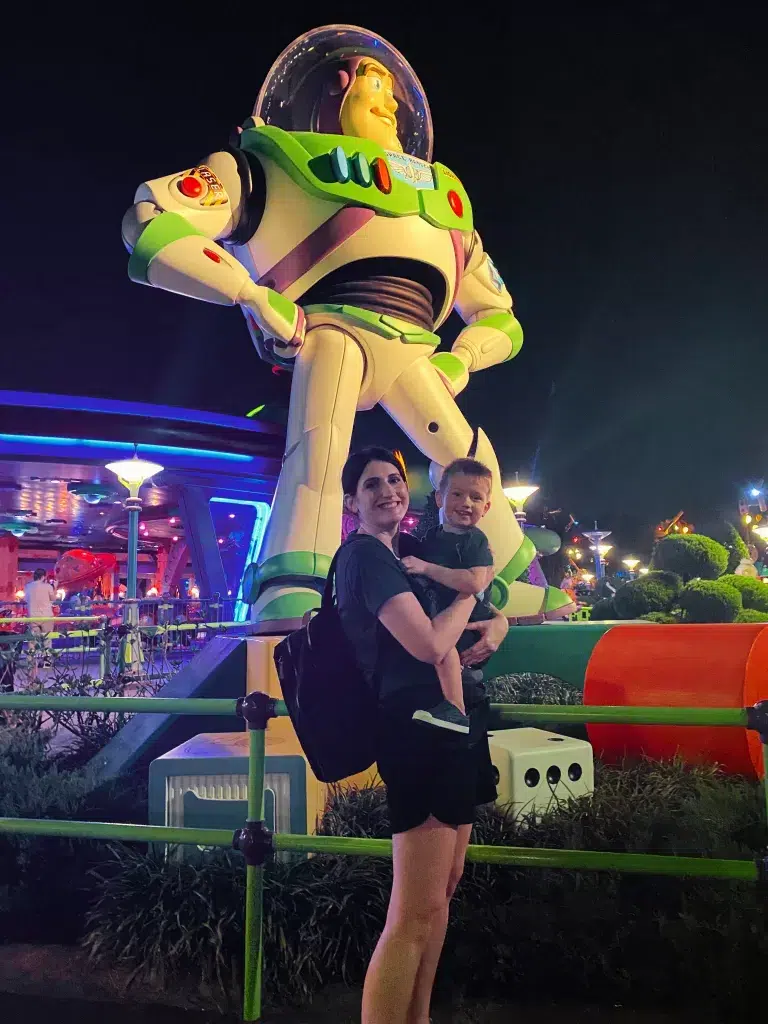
x: 492, y: 632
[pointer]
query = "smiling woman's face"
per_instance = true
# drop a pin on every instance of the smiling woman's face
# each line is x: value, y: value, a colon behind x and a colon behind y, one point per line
x: 381, y: 498
x: 369, y: 110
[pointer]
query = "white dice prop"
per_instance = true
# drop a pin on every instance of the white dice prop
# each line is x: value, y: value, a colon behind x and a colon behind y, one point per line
x: 538, y: 770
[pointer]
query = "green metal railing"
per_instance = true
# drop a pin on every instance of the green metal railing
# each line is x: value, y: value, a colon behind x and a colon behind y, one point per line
x: 257, y: 843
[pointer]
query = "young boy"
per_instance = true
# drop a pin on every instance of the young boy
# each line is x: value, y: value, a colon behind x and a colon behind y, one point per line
x: 455, y: 557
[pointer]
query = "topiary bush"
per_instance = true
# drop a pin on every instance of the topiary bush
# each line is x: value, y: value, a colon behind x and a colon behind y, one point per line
x: 690, y: 556
x: 751, y: 615
x: 661, y: 618
x: 754, y: 593
x: 710, y: 601
x: 725, y: 533
x: 654, y: 592
x: 602, y: 610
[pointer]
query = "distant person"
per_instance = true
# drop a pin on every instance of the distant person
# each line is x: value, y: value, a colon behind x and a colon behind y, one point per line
x: 8, y: 654
x: 39, y: 596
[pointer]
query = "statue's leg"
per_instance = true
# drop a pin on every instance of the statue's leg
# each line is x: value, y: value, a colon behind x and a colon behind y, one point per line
x: 421, y: 404
x: 304, y: 528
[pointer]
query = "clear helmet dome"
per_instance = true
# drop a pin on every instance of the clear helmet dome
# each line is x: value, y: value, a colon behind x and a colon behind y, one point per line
x: 302, y: 91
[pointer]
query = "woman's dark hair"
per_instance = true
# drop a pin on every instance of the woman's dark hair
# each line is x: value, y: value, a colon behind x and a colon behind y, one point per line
x: 357, y: 461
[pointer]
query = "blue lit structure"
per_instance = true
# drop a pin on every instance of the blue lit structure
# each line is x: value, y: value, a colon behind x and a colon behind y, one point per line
x: 261, y: 518
x: 214, y: 463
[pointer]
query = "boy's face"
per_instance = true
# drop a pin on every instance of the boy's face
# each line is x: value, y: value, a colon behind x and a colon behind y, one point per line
x: 464, y: 500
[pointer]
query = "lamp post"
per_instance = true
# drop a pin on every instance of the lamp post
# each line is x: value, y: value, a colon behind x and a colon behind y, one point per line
x: 132, y: 474
x: 518, y: 494
x: 599, y: 549
x: 631, y: 564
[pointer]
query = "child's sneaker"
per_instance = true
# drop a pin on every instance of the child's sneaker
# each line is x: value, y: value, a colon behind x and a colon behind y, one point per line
x: 444, y: 716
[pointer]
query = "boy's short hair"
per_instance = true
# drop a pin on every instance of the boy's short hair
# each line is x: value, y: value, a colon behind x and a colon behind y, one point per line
x: 469, y: 467
x: 39, y: 574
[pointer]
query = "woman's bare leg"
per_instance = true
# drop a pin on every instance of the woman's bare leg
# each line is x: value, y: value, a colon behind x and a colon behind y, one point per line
x: 423, y: 859
x: 418, y: 1011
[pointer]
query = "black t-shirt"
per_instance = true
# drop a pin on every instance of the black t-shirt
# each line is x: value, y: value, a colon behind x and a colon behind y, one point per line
x: 367, y: 576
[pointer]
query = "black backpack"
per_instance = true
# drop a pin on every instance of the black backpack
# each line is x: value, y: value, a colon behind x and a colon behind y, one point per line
x: 331, y: 703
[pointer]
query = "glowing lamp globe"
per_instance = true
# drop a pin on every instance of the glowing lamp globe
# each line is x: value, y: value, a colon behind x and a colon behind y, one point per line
x: 603, y: 549
x: 631, y: 563
x: 133, y: 472
x: 518, y: 494
x: 761, y: 531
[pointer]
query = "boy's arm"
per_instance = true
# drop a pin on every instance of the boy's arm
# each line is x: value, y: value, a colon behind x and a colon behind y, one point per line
x: 464, y: 581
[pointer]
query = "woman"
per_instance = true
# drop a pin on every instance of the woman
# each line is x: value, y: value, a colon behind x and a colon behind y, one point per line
x: 434, y: 781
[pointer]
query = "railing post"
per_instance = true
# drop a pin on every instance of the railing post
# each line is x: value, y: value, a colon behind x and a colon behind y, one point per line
x: 255, y: 843
x: 103, y: 648
x: 757, y: 719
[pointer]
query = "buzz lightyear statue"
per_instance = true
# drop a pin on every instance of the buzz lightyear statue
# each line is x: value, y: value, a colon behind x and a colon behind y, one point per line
x: 346, y: 248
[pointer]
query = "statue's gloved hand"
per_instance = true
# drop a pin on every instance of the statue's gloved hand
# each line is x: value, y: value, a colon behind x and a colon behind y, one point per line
x: 489, y: 340
x: 281, y: 321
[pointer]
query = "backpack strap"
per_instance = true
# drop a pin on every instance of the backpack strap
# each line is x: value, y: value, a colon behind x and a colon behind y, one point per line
x: 330, y: 579
x: 327, y: 601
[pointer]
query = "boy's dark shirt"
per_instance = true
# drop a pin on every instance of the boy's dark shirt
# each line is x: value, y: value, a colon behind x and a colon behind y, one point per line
x: 466, y: 550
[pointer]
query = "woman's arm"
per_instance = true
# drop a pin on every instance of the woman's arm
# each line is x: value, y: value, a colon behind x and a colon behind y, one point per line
x: 492, y: 632
x: 426, y: 640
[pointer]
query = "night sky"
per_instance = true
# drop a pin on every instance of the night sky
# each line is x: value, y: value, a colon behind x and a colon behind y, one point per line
x: 618, y: 168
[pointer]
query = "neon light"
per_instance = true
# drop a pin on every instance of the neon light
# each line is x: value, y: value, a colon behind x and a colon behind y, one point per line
x: 123, y: 446
x: 110, y: 406
x: 255, y: 412
x: 237, y: 501
x: 257, y: 536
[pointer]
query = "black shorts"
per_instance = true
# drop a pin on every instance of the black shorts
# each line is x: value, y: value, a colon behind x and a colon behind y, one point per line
x: 429, y: 771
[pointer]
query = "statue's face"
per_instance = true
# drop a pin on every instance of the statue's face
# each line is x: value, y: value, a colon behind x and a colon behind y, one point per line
x: 369, y: 107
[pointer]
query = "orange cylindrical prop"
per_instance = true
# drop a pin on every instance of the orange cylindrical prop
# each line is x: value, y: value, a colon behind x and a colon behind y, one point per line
x: 717, y: 666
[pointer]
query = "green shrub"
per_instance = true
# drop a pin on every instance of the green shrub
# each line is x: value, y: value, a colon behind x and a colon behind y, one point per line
x: 661, y: 618
x: 725, y: 533
x: 690, y: 556
x: 751, y: 615
x: 180, y: 919
x: 44, y: 887
x: 654, y: 592
x: 710, y: 601
x: 602, y: 610
x: 754, y: 593
x: 532, y: 688
x: 632, y: 938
